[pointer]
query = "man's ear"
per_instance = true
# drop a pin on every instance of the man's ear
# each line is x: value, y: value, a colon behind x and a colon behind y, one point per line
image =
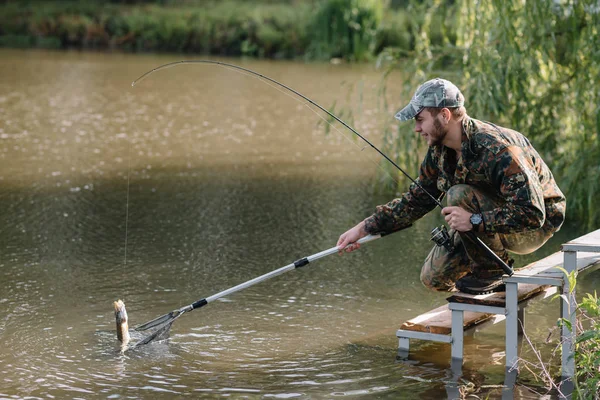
x: 446, y: 114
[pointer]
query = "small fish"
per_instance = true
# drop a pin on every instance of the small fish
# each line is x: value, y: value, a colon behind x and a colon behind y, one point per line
x: 122, y: 324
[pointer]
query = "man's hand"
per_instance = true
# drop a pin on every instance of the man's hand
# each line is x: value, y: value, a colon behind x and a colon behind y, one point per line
x: 350, y: 237
x: 457, y: 218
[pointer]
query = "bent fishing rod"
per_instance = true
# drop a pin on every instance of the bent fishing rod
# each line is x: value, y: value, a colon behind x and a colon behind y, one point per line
x: 439, y: 235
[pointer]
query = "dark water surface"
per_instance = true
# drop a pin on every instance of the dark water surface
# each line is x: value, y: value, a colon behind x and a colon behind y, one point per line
x: 192, y: 182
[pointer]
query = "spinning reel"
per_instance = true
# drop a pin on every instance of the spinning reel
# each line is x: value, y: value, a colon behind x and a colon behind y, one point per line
x: 441, y: 237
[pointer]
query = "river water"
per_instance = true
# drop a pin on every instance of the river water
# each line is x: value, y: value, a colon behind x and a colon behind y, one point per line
x: 195, y: 180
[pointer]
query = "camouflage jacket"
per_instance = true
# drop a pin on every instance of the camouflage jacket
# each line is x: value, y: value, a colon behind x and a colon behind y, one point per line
x: 496, y: 160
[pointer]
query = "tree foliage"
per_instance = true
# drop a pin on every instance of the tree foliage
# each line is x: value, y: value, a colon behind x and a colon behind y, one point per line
x: 530, y: 65
x: 343, y: 28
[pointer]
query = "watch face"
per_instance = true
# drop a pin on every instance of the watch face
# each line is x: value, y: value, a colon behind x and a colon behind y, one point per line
x: 476, y: 219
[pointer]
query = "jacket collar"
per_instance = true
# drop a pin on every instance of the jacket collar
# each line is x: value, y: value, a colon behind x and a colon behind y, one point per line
x: 448, y: 175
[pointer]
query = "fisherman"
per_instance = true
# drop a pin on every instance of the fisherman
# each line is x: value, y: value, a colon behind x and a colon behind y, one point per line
x: 496, y: 185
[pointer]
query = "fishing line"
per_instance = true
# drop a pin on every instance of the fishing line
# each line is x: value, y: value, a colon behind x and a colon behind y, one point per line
x: 127, y: 203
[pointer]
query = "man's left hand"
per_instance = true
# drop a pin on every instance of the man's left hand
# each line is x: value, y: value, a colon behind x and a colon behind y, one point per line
x: 457, y: 218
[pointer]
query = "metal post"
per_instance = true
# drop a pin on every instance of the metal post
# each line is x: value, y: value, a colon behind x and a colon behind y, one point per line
x: 457, y: 334
x: 512, y: 325
x: 404, y: 344
x: 510, y: 378
x: 452, y: 385
x: 568, y: 313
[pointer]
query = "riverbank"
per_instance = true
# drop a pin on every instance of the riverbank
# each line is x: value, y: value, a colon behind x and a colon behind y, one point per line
x: 354, y: 30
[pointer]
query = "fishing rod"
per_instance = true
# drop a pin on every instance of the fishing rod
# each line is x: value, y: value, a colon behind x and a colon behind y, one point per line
x: 439, y: 234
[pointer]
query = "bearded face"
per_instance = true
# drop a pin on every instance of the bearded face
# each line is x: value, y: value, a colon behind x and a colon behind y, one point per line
x: 431, y: 128
x: 437, y: 134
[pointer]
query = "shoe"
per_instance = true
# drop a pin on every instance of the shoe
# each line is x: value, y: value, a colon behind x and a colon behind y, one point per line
x: 478, y: 285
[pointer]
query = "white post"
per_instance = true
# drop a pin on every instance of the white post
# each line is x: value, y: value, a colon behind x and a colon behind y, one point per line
x: 568, y: 313
x: 457, y: 334
x: 512, y: 324
x: 404, y: 344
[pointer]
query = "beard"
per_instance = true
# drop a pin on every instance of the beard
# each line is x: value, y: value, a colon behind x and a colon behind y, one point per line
x: 438, y: 134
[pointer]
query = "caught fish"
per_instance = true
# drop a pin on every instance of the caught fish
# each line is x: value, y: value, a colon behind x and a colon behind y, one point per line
x: 122, y: 324
x: 131, y: 340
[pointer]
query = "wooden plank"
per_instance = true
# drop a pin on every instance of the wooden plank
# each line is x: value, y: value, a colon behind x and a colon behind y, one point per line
x: 547, y: 263
x: 525, y: 291
x: 592, y: 238
x: 547, y: 267
x: 439, y: 321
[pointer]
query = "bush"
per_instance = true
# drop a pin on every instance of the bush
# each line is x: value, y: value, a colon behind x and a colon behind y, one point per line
x: 72, y: 28
x: 346, y: 29
x: 16, y: 41
x: 395, y: 32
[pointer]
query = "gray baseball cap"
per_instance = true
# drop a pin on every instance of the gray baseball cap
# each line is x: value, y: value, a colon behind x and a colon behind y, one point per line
x: 437, y: 93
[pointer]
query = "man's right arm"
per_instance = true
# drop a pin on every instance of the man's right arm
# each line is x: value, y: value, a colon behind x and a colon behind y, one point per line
x: 398, y: 213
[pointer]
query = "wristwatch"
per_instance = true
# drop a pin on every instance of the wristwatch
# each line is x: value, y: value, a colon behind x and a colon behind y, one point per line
x: 476, y: 220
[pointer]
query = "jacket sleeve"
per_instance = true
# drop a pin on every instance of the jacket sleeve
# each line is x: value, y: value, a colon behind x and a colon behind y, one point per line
x: 515, y: 178
x: 412, y: 205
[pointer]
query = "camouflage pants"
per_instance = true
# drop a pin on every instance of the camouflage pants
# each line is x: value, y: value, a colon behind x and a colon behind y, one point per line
x: 442, y: 268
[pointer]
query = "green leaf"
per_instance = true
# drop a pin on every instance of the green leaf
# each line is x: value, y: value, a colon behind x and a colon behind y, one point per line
x: 587, y: 335
x: 564, y: 322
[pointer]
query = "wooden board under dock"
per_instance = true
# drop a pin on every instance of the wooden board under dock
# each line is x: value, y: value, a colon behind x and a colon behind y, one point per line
x: 439, y: 320
x: 525, y: 291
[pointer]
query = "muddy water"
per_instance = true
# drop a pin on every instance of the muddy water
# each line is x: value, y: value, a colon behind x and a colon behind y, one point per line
x: 195, y: 180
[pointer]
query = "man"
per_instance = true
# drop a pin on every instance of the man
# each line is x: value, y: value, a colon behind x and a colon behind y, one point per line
x: 496, y: 185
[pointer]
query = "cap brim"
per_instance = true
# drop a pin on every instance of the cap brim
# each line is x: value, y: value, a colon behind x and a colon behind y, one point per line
x: 408, y: 112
